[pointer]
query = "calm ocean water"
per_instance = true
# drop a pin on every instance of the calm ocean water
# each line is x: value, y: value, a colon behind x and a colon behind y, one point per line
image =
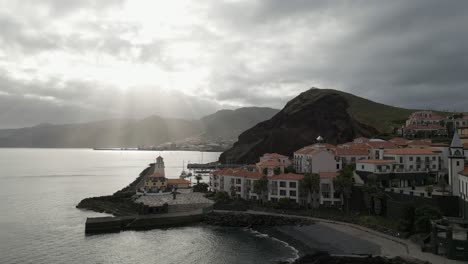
x: 39, y: 223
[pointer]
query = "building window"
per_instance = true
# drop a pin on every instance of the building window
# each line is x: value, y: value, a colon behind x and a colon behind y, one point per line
x: 434, y: 158
x: 338, y: 166
x: 434, y: 166
x: 292, y: 184
x: 282, y: 184
x: 458, y: 163
x: 401, y: 159
x: 362, y: 167
x: 282, y: 192
x: 238, y: 181
x: 410, y: 158
x: 238, y: 189
x: 293, y: 193
x: 325, y: 194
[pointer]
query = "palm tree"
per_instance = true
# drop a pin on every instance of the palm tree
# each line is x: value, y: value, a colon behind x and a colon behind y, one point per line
x: 261, y: 188
x: 310, y: 185
x: 198, y: 178
x: 343, y: 184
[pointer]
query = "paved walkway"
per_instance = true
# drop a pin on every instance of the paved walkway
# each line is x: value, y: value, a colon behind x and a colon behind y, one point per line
x: 390, y: 246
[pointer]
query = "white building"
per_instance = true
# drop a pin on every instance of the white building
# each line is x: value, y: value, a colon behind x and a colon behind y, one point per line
x: 284, y: 186
x: 463, y: 195
x: 315, y: 159
x: 237, y: 182
x: 402, y: 167
x: 276, y: 157
x: 328, y: 197
x: 351, y: 156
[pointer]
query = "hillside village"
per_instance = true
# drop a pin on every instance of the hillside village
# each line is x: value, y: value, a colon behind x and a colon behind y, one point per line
x: 405, y: 170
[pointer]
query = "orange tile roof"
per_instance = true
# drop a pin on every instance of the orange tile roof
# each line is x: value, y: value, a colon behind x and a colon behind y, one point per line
x: 399, y: 141
x: 464, y: 172
x: 423, y: 142
x: 177, y: 181
x: 270, y: 163
x: 238, y: 173
x: 351, y: 152
x: 275, y: 156
x: 376, y: 161
x: 287, y: 176
x: 381, y: 144
x: 328, y: 174
x: 412, y: 151
x: 352, y: 145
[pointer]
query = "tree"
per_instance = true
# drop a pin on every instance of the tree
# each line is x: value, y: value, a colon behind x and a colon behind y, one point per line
x: 221, y: 197
x: 261, y: 188
x: 442, y: 185
x: 201, y: 187
x: 198, y: 178
x: 265, y: 171
x: 290, y: 169
x: 423, y: 216
x: 310, y: 186
x: 277, y: 171
x: 371, y: 192
x: 343, y: 184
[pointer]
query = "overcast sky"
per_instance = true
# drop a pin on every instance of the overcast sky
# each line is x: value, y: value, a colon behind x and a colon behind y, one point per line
x: 64, y: 61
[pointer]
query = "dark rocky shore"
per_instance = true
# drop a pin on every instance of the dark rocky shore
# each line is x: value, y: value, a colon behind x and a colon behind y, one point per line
x: 118, y: 204
x: 254, y: 221
x: 325, y: 258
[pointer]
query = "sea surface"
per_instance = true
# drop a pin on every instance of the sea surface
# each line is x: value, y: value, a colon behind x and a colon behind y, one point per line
x: 39, y: 189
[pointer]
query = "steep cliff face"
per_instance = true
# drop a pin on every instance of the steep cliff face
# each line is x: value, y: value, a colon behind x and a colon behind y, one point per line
x: 312, y: 113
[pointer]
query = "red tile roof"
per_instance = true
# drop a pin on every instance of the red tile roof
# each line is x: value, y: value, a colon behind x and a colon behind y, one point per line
x: 412, y: 151
x: 464, y: 172
x: 275, y: 156
x: 328, y: 174
x: 381, y: 144
x: 376, y: 161
x: 287, y: 176
x: 177, y: 181
x: 351, y: 152
x: 270, y: 163
x: 399, y: 141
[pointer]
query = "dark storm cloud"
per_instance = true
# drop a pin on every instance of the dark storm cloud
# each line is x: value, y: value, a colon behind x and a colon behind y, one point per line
x: 407, y: 53
x: 404, y: 53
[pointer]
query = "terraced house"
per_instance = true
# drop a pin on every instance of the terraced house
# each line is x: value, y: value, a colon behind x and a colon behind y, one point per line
x: 401, y: 167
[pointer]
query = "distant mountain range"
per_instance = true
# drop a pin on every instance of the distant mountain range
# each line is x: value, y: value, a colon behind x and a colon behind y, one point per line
x: 336, y: 116
x: 154, y: 130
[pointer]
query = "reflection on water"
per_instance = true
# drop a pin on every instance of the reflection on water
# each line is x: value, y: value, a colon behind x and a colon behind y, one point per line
x: 39, y: 223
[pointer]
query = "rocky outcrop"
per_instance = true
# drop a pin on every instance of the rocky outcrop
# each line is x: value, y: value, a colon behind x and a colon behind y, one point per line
x: 312, y: 113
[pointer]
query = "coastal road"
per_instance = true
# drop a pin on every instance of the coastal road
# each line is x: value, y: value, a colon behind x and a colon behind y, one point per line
x: 345, y: 238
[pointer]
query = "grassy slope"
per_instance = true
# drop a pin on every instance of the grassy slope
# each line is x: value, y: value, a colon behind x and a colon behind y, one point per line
x: 380, y: 116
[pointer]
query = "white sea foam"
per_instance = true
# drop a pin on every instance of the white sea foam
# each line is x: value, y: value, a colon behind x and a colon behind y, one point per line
x: 286, y: 244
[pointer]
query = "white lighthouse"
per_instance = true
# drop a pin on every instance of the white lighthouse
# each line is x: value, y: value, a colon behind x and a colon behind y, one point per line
x: 159, y: 167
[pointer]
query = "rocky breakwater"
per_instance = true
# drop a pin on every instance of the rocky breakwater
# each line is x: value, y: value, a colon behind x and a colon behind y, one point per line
x: 249, y: 220
x: 121, y: 203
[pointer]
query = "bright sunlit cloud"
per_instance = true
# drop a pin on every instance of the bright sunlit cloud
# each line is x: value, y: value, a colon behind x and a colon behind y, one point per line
x: 209, y: 55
